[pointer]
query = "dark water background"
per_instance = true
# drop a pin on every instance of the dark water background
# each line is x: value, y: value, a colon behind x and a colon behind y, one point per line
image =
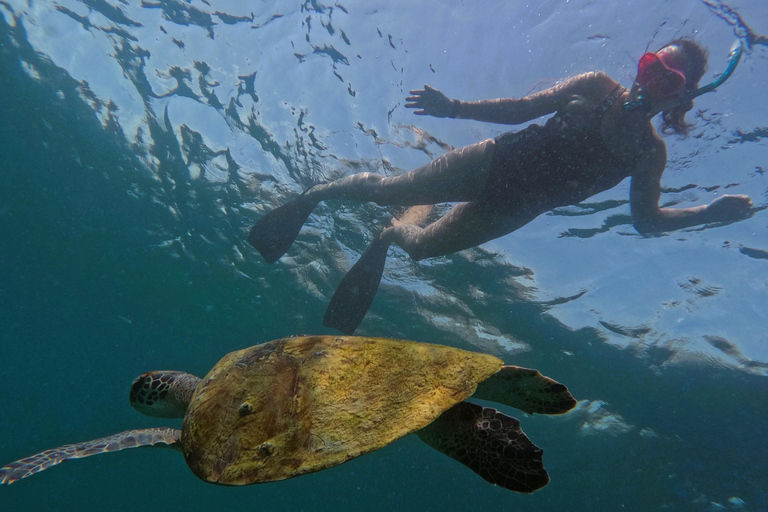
x: 139, y: 142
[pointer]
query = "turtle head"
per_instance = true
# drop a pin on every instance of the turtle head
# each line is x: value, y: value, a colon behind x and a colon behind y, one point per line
x: 163, y: 394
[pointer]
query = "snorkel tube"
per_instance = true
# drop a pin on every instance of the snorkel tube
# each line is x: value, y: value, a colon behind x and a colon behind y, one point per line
x: 737, y: 49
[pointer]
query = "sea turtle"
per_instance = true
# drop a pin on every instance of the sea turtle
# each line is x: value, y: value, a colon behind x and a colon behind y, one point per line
x: 301, y: 404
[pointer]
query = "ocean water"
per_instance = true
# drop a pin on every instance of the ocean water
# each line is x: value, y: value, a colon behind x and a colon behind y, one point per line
x: 140, y: 140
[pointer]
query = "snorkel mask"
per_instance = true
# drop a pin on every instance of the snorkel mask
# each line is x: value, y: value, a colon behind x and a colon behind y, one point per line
x: 661, y: 72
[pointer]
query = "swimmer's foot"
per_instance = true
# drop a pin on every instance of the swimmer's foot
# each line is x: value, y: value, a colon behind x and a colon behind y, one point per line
x: 275, y: 232
x: 355, y: 293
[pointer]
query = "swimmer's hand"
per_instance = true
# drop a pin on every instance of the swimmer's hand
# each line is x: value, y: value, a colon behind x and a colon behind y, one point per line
x: 432, y: 102
x: 729, y: 207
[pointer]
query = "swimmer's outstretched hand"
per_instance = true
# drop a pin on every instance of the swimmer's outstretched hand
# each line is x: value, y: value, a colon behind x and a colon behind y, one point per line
x: 729, y: 207
x: 432, y: 102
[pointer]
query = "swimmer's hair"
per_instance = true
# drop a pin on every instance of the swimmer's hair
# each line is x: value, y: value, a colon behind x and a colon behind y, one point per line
x: 695, y: 55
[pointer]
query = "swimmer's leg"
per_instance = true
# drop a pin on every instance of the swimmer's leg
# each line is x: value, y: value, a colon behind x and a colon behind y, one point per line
x: 465, y: 226
x: 459, y: 175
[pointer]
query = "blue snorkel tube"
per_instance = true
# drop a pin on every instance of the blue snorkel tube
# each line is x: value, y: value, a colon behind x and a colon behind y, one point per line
x: 733, y: 60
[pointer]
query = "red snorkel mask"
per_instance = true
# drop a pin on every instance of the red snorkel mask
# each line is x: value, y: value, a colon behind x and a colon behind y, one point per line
x: 659, y: 72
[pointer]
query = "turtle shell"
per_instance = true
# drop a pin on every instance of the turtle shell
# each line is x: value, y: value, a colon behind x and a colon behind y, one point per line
x: 302, y: 404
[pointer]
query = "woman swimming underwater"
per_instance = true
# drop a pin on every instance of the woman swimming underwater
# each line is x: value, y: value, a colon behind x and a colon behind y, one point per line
x: 600, y: 134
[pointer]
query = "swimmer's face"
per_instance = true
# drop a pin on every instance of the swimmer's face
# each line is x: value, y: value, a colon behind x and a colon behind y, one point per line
x: 661, y: 75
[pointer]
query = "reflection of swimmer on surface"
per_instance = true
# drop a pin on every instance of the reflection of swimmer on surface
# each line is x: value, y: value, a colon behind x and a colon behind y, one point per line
x: 600, y: 134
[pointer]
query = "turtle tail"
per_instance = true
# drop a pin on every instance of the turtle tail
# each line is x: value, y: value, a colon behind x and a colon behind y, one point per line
x: 129, y: 439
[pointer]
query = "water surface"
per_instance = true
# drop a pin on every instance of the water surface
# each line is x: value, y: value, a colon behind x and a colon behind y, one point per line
x: 139, y: 143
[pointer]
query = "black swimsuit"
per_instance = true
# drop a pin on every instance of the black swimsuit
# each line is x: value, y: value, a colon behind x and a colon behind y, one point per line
x: 567, y: 160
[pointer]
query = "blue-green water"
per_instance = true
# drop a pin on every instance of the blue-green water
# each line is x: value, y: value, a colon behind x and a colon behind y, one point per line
x: 139, y: 143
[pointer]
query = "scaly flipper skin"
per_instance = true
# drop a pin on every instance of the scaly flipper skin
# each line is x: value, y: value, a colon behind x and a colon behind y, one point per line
x: 491, y: 444
x: 527, y: 390
x: 275, y: 232
x: 129, y: 439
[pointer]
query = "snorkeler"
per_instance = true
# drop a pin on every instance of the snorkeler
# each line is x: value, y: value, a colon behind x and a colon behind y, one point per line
x: 599, y: 135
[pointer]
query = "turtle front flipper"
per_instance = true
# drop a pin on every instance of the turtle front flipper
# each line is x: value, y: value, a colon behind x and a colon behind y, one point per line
x: 527, y: 390
x: 129, y: 439
x: 491, y: 444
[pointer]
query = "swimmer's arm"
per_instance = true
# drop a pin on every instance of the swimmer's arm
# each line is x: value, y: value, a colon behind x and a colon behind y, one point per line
x: 649, y: 217
x: 517, y: 111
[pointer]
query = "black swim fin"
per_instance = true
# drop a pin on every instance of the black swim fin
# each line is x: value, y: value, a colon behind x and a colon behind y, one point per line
x: 353, y: 297
x: 275, y: 232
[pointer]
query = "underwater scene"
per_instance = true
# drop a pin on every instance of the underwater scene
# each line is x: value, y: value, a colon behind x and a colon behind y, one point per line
x: 141, y: 141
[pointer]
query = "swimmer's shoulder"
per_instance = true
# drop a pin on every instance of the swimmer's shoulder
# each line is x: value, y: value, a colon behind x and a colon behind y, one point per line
x: 596, y: 84
x: 586, y: 89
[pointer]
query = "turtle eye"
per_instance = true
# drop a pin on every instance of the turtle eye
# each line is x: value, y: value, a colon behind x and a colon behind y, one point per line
x: 245, y: 409
x: 139, y: 389
x: 136, y: 387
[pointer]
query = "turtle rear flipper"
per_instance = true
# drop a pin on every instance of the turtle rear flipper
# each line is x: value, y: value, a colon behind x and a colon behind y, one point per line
x: 275, y: 232
x: 353, y: 297
x: 491, y: 444
x: 527, y: 390
x: 129, y: 439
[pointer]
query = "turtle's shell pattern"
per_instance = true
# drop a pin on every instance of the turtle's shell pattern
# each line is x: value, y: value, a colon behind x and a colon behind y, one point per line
x: 297, y: 405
